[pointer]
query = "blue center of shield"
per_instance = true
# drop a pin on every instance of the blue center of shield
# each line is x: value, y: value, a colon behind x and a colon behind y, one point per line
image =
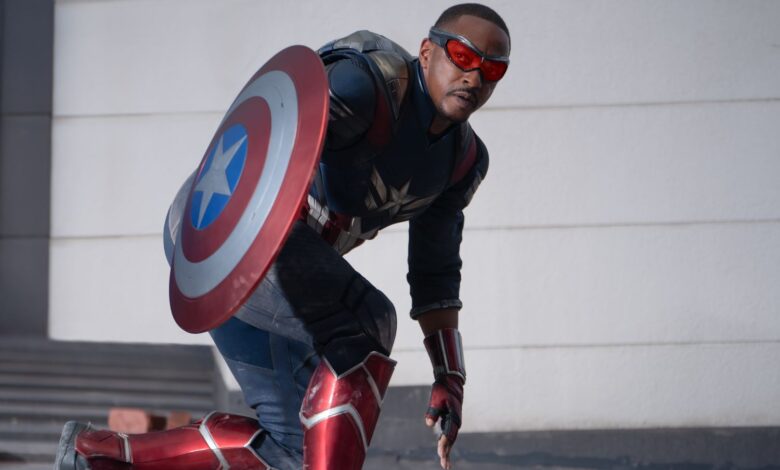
x: 219, y: 178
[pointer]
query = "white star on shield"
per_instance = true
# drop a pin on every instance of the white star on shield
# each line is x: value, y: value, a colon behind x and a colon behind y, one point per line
x: 215, y: 181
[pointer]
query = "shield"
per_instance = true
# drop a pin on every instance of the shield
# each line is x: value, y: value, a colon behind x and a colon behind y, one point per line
x: 248, y: 189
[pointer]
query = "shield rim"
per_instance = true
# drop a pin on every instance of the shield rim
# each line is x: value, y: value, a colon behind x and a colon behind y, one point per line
x: 205, y: 312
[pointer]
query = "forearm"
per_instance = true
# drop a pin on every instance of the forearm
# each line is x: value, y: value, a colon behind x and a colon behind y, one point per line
x: 438, y: 319
x: 444, y: 346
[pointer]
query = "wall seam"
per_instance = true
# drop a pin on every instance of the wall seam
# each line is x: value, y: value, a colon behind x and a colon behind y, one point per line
x: 488, y: 109
x: 497, y: 228
x: 659, y: 344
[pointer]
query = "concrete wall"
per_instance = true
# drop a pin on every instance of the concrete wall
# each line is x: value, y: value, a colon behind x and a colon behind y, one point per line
x: 26, y: 29
x: 621, y: 259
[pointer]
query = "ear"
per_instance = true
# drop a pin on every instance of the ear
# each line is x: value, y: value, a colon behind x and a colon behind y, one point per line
x: 426, y: 48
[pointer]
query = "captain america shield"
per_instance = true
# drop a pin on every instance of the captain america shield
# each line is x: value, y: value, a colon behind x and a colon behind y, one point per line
x: 248, y: 189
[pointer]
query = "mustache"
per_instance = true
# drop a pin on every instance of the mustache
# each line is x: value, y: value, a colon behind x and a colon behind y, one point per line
x: 471, y: 91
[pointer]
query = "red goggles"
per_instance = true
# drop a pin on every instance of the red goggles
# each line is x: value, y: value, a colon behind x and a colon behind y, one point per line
x: 467, y: 57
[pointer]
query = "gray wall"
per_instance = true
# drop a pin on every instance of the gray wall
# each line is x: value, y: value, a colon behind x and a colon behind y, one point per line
x: 25, y: 164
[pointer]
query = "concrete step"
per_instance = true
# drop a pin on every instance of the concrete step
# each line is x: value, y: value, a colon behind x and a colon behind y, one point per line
x: 104, y: 399
x: 83, y: 413
x: 43, y: 384
x: 24, y: 465
x: 29, y: 451
x: 11, y: 412
x: 177, y: 387
x: 36, y: 350
x: 146, y: 371
x: 128, y: 359
x: 37, y: 430
x: 25, y: 344
x: 45, y: 425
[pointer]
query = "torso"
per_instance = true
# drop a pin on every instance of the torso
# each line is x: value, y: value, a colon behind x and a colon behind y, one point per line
x: 367, y: 187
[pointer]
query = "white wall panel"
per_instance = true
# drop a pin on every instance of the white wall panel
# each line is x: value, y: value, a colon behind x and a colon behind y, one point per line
x: 149, y: 56
x: 118, y: 175
x: 620, y: 285
x: 621, y: 259
x: 112, y: 289
x: 146, y: 56
x: 629, y: 165
x: 613, y: 387
x: 578, y: 167
x: 571, y: 52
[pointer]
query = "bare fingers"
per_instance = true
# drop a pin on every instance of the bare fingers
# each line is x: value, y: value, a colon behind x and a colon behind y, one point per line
x: 444, y: 448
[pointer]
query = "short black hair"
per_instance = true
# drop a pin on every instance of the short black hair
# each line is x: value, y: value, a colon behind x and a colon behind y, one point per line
x: 474, y: 9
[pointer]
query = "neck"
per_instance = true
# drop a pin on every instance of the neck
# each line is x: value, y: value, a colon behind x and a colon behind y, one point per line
x: 439, y: 125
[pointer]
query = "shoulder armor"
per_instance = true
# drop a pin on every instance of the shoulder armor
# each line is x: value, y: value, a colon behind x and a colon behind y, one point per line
x: 395, y: 71
x: 364, y: 41
x: 390, y: 60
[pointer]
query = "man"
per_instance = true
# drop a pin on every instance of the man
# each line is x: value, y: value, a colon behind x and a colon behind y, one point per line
x: 311, y: 344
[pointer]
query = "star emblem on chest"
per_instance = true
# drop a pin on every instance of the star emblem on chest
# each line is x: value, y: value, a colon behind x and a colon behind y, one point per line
x: 397, y: 202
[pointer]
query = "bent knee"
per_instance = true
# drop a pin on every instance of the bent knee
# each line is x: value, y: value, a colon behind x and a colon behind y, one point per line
x: 374, y: 312
x: 378, y: 319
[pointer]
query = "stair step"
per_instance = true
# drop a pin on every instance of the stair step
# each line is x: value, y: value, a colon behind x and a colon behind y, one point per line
x: 30, y: 451
x: 82, y: 413
x: 43, y: 465
x: 107, y: 359
x: 35, y: 427
x: 47, y: 430
x: 45, y: 383
x: 185, y: 387
x: 106, y: 399
x: 31, y: 436
x: 105, y: 371
x: 57, y: 412
x: 21, y: 344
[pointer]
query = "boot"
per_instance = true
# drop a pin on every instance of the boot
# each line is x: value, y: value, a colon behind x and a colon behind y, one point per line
x: 218, y: 441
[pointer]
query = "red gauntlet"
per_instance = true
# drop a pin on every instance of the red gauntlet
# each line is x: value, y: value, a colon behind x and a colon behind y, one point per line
x: 446, y: 352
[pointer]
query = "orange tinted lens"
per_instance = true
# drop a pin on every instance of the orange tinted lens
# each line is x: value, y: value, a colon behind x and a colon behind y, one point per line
x: 493, y: 70
x: 462, y: 56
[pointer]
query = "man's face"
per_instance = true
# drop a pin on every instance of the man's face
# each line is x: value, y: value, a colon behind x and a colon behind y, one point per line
x: 455, y: 93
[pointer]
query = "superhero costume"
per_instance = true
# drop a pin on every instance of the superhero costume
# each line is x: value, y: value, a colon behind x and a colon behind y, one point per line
x: 310, y: 345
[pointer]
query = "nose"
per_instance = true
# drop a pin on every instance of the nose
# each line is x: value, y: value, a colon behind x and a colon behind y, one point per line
x: 473, y: 78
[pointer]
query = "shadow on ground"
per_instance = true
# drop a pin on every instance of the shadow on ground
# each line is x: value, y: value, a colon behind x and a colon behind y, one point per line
x: 403, y: 442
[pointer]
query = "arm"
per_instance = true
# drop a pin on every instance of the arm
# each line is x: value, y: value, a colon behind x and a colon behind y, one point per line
x: 439, y: 319
x: 434, y: 244
x: 431, y: 322
x: 434, y: 279
x: 444, y: 346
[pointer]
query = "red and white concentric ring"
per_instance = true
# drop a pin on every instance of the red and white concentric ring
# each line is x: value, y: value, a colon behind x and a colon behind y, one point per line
x: 284, y: 109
